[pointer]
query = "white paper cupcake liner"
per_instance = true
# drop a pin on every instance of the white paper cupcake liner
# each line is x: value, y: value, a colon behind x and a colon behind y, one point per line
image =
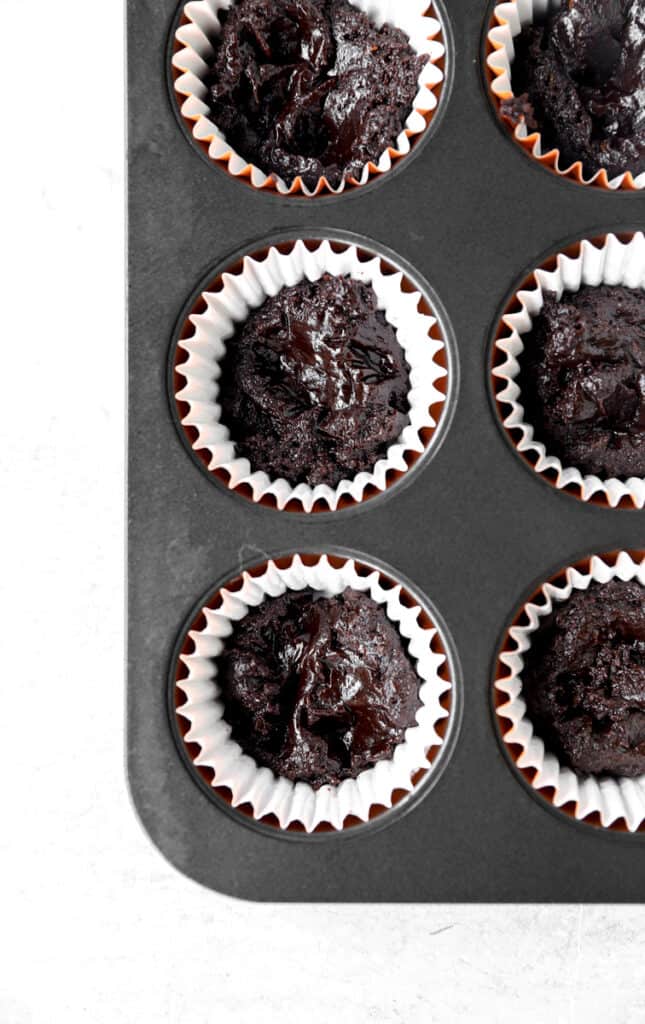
x: 265, y: 275
x: 508, y: 21
x: 612, y: 263
x: 194, y: 54
x: 613, y: 800
x: 299, y: 803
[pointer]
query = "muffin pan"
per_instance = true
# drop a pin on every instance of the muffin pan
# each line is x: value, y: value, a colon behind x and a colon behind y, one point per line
x: 473, y: 531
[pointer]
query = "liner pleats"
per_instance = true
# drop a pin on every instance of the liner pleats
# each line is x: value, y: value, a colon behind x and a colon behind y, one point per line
x: 613, y: 262
x: 613, y: 800
x: 241, y: 292
x: 507, y: 23
x: 298, y: 803
x: 195, y: 40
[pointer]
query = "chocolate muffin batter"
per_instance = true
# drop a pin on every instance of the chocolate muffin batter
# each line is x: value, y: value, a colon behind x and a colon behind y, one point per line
x: 318, y: 688
x: 311, y: 87
x: 582, y: 380
x: 584, y: 680
x: 314, y: 384
x: 579, y: 79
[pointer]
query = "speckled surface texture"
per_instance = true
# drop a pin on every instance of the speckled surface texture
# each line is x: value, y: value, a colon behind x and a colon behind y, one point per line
x: 579, y: 78
x: 582, y: 380
x: 584, y: 680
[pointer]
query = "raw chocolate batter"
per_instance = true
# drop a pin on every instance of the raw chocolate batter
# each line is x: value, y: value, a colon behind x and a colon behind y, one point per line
x: 584, y: 680
x: 311, y: 87
x: 314, y: 385
x: 318, y: 688
x: 579, y: 79
x: 582, y: 380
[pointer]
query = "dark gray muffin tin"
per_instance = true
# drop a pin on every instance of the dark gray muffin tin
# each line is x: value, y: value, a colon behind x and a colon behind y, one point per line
x: 474, y: 529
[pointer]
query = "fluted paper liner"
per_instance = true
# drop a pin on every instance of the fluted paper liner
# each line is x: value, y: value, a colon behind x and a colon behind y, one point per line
x: 241, y: 292
x: 507, y: 23
x: 612, y: 800
x: 194, y: 53
x: 612, y: 262
x: 299, y: 803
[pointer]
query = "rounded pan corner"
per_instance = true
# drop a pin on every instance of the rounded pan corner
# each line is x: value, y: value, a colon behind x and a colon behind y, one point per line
x: 157, y: 839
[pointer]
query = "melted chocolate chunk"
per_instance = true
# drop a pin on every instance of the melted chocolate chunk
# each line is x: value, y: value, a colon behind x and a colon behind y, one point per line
x: 584, y: 680
x: 318, y: 688
x: 582, y: 380
x: 314, y: 385
x: 579, y: 78
x: 311, y: 87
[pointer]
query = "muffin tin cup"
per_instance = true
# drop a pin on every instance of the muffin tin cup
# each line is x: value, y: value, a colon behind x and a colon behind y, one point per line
x: 608, y: 260
x: 233, y: 775
x: 193, y: 51
x: 506, y: 24
x: 195, y: 368
x: 604, y: 801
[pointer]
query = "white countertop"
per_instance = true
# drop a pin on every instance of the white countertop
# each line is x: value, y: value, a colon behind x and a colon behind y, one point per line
x: 97, y: 927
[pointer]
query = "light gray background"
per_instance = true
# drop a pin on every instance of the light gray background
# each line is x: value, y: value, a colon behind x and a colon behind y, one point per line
x: 95, y: 925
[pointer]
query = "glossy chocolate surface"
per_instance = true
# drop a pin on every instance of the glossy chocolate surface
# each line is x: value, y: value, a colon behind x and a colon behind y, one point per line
x: 318, y: 688
x: 304, y: 88
x: 314, y: 385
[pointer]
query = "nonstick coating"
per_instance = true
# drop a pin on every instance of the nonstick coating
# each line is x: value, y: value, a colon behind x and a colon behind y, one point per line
x: 475, y: 530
